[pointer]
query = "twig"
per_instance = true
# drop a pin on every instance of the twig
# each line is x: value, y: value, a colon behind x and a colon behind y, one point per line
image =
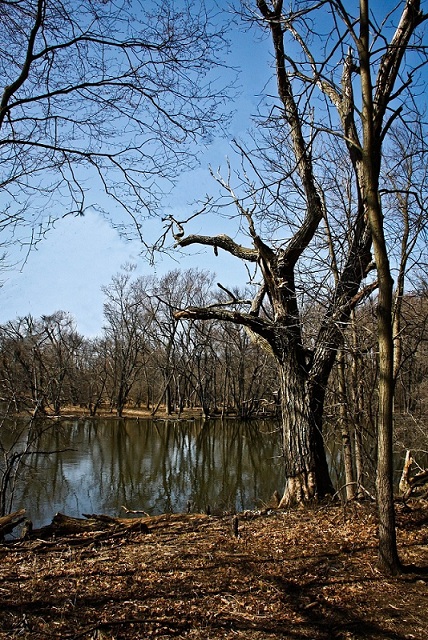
x: 126, y: 510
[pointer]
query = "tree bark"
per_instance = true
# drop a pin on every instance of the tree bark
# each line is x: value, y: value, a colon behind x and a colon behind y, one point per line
x: 299, y: 461
x: 346, y: 436
x: 388, y: 557
x: 306, y: 469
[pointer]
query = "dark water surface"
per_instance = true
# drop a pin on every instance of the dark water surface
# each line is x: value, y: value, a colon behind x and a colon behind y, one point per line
x: 96, y: 466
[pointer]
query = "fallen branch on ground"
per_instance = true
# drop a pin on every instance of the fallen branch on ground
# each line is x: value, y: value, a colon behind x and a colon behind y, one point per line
x: 9, y: 522
x: 410, y: 484
x: 126, y: 510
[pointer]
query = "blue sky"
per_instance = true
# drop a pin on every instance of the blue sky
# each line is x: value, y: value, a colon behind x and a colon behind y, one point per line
x: 76, y: 259
x: 80, y: 255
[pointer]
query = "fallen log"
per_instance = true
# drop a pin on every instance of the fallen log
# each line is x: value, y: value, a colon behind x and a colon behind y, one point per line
x: 9, y: 522
x: 95, y: 528
x: 63, y: 525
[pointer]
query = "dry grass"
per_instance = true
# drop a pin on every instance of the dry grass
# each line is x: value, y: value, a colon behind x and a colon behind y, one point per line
x: 304, y: 574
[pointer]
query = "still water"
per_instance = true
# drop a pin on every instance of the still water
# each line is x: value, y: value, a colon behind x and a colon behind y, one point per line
x: 96, y: 466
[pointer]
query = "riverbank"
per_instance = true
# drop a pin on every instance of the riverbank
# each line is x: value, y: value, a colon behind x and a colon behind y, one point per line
x: 78, y: 412
x: 302, y: 574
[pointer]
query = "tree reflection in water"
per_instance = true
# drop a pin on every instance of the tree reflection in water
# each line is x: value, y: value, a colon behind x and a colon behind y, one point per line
x: 156, y: 466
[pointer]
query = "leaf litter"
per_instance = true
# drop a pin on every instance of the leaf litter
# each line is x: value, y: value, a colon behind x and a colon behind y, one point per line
x: 303, y: 574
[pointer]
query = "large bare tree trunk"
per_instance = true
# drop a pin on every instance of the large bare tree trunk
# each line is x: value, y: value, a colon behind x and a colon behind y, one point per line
x: 306, y: 470
x: 299, y: 461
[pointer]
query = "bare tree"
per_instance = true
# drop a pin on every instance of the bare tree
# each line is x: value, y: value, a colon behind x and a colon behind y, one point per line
x: 168, y: 293
x: 283, y: 203
x: 38, y: 361
x: 404, y: 199
x: 100, y: 93
x: 60, y: 355
x: 125, y: 333
x: 404, y: 195
x: 26, y: 375
x: 91, y: 374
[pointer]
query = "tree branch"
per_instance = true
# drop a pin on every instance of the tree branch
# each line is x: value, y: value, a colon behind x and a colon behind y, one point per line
x: 313, y: 217
x: 389, y: 67
x: 223, y: 242
x: 260, y: 326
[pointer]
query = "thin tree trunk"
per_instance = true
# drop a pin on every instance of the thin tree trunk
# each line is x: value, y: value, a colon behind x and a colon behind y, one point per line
x: 388, y: 557
x: 357, y: 397
x: 168, y: 400
x: 345, y: 431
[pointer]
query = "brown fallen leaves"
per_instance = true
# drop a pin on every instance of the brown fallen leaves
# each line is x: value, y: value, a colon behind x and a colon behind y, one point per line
x: 303, y: 574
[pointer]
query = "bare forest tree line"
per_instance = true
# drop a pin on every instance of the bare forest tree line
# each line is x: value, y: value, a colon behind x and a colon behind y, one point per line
x: 145, y: 359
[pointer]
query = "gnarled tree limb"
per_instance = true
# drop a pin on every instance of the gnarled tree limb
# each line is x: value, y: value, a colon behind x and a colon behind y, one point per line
x: 221, y: 241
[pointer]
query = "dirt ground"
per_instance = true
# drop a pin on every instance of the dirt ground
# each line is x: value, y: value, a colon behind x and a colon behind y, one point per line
x: 302, y: 574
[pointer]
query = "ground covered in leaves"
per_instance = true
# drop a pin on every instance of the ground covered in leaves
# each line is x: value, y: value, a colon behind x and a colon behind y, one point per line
x: 303, y: 574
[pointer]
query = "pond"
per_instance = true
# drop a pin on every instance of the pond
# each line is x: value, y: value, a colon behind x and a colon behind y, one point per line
x: 96, y: 466
x: 156, y: 466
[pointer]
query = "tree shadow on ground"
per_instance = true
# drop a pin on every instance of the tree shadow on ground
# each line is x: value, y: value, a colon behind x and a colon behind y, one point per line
x: 198, y: 581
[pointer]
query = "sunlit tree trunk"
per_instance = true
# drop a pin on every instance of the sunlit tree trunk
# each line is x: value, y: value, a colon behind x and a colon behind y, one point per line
x: 299, y: 459
x: 388, y: 557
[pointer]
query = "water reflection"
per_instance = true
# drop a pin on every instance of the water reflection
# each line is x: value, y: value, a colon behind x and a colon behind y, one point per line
x: 99, y: 465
